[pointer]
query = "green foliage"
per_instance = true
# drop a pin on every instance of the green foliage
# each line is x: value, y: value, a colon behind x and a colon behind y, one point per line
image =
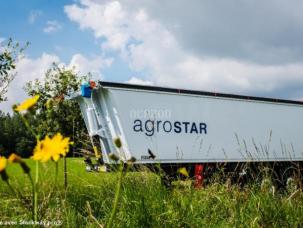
x: 8, y: 57
x: 54, y: 113
x: 145, y: 202
x: 14, y: 136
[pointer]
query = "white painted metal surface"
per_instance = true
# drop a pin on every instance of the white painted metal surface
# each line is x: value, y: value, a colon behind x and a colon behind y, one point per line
x: 189, y: 128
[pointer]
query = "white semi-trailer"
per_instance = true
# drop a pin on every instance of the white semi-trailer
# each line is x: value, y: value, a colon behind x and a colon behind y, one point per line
x: 170, y: 126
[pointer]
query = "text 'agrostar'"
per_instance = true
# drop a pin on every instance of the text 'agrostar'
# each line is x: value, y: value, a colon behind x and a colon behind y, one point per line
x: 150, y: 127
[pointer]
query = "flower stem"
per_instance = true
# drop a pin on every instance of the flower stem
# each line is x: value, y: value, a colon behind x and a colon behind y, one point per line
x: 117, y: 196
x: 17, y: 192
x: 28, y: 126
x: 33, y: 195
x: 34, y: 184
x: 65, y: 174
x: 36, y: 192
x: 56, y: 178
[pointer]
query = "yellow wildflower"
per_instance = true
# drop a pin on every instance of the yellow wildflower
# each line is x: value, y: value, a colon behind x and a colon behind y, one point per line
x: 2, y: 163
x: 27, y: 103
x: 49, y: 103
x: 183, y: 171
x: 51, y: 148
x: 14, y: 158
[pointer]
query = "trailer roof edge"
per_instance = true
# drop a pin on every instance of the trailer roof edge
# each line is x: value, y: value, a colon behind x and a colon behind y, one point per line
x: 195, y: 92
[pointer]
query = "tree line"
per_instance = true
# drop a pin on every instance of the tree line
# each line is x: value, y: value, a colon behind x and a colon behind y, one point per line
x: 52, y: 113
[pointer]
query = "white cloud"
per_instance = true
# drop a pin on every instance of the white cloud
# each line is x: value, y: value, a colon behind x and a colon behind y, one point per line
x: 139, y: 81
x: 29, y: 69
x: 52, y: 26
x: 106, y: 20
x: 34, y: 15
x: 82, y: 65
x: 1, y: 41
x: 229, y: 75
x: 267, y: 32
x: 148, y: 45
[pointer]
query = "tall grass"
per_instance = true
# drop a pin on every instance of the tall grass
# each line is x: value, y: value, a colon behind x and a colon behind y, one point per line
x: 145, y: 202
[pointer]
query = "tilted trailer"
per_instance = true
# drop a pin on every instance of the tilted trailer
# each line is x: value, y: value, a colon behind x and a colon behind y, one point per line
x: 172, y: 127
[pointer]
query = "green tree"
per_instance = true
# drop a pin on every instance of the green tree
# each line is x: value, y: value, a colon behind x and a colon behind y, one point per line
x: 9, y: 53
x: 14, y: 136
x: 54, y: 113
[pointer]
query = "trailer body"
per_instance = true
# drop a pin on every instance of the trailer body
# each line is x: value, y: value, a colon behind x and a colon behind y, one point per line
x: 166, y: 125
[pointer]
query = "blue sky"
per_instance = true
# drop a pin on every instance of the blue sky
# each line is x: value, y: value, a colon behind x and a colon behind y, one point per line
x: 22, y: 29
x: 64, y: 42
x: 250, y: 47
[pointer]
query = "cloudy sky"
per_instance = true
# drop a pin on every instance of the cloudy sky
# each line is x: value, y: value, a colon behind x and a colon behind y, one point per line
x: 249, y: 47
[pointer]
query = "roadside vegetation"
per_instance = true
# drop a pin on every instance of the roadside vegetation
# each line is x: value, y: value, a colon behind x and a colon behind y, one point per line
x: 145, y: 202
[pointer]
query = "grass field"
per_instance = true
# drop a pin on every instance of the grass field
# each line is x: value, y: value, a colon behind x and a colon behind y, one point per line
x: 145, y: 202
